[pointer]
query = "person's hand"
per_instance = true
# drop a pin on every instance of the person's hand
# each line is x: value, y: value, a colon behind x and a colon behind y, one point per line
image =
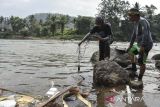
x: 127, y: 50
x: 101, y: 39
x: 106, y: 38
x: 141, y: 50
x: 98, y: 37
x: 79, y: 44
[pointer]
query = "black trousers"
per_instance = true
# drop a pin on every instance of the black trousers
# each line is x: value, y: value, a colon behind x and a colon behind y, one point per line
x: 104, y: 50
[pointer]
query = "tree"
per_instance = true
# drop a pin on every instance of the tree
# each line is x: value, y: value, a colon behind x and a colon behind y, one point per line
x: 1, y: 19
x: 83, y: 24
x: 62, y: 21
x: 31, y: 24
x: 34, y: 26
x: 53, y: 25
x: 41, y: 22
x: 137, y: 6
x: 17, y: 23
x: 150, y: 10
x: 112, y: 10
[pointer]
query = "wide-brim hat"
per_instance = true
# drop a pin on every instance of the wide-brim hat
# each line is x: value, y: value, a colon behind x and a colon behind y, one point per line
x: 133, y: 11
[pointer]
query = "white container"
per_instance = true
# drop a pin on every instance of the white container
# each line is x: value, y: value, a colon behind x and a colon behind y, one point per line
x: 8, y: 103
x: 52, y: 91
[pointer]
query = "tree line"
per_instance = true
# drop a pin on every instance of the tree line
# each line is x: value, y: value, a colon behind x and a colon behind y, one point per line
x: 54, y: 25
x: 67, y: 27
x: 116, y: 12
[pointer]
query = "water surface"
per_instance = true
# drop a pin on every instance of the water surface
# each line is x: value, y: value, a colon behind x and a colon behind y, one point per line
x: 29, y: 66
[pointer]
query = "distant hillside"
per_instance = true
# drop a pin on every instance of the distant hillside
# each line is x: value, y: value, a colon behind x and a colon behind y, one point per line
x: 43, y: 16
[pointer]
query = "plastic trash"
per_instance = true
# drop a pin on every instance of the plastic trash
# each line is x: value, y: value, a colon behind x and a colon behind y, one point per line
x: 8, y: 103
x: 2, y: 98
x: 11, y: 97
x: 52, y: 91
x: 25, y: 99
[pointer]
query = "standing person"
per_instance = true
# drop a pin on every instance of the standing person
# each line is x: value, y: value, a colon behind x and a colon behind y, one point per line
x: 103, y: 33
x: 142, y: 35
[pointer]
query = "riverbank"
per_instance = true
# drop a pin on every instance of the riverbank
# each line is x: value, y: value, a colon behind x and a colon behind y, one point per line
x: 58, y: 37
x: 8, y: 35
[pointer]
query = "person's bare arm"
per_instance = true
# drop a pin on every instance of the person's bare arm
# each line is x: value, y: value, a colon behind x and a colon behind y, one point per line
x: 86, y: 36
x: 100, y: 38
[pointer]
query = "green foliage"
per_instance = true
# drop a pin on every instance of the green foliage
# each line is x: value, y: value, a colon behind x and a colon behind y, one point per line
x: 1, y: 19
x: 44, y: 31
x: 70, y: 32
x: 63, y: 19
x: 66, y: 27
x: 17, y: 23
x: 116, y: 10
x: 24, y: 32
x: 74, y: 37
x: 83, y: 24
x: 111, y: 10
x: 5, y: 35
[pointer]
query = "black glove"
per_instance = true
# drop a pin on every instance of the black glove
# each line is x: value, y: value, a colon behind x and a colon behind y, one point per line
x: 127, y: 50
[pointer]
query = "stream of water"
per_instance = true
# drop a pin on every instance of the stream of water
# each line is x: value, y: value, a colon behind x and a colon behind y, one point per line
x: 29, y: 66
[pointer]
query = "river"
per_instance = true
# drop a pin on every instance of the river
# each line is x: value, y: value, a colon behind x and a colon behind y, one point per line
x: 29, y: 66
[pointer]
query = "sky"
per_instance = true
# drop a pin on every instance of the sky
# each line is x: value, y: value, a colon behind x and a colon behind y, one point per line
x: 23, y: 8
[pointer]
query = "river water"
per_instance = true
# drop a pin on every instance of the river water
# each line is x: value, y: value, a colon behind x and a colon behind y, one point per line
x: 29, y: 66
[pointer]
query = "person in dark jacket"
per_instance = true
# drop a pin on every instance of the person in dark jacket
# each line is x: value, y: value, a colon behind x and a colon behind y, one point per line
x: 141, y: 41
x: 102, y: 32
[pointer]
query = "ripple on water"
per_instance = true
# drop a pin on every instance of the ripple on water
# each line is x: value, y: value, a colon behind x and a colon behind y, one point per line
x: 51, y: 78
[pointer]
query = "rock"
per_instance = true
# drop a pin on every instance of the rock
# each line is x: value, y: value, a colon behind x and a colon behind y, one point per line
x: 136, y: 84
x: 157, y: 64
x: 119, y: 56
x: 123, y: 60
x: 95, y: 57
x: 109, y: 73
x: 156, y: 57
x: 123, y: 57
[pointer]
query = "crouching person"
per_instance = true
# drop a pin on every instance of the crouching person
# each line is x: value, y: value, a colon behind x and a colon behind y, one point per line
x: 141, y: 41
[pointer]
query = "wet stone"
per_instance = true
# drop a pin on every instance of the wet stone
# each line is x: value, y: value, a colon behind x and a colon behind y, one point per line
x: 95, y: 57
x: 156, y: 57
x: 117, y: 55
x: 136, y: 84
x: 109, y: 73
x: 157, y: 64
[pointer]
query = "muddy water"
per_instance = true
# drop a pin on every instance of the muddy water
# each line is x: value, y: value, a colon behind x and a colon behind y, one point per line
x: 29, y: 66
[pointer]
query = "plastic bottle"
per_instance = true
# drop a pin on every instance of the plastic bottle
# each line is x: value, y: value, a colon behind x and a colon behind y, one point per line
x: 52, y: 91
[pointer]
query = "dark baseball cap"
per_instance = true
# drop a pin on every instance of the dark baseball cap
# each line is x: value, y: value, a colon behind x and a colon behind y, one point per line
x: 99, y: 20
